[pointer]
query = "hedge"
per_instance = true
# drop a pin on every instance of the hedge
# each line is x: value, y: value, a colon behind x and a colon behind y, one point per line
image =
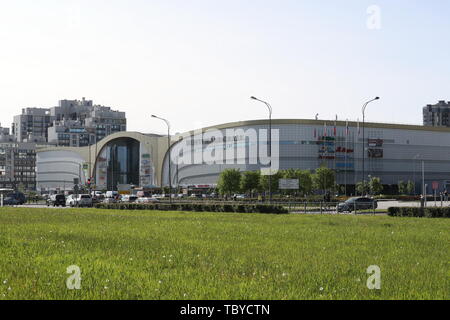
x: 435, y: 212
x: 197, y: 207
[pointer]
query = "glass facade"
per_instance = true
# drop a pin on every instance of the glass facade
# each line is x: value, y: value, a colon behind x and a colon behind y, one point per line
x: 118, y: 163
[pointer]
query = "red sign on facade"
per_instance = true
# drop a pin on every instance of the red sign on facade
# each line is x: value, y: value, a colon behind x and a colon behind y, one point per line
x: 435, y: 185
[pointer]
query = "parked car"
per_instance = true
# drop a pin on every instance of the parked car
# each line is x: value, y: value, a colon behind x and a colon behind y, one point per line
x: 82, y: 200
x: 147, y: 200
x: 56, y: 200
x: 70, y: 200
x: 9, y: 201
x: 357, y: 203
x: 128, y: 198
x: 19, y: 196
x: 111, y: 194
x: 97, y: 195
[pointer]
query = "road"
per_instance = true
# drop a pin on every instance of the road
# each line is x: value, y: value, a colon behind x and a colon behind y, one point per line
x: 387, y: 204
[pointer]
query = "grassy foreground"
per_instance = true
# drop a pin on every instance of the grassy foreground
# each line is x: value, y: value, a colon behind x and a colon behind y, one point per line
x: 160, y: 255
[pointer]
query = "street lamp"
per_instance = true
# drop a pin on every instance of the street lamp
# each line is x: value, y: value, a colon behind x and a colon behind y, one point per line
x: 364, y: 139
x: 170, y: 160
x: 269, y: 107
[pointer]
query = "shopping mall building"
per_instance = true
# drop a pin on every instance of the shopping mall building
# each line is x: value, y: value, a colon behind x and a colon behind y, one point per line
x: 389, y: 151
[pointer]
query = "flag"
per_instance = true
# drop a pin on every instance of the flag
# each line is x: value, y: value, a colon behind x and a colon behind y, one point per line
x: 346, y: 128
x: 325, y: 129
x: 315, y: 133
x: 359, y: 128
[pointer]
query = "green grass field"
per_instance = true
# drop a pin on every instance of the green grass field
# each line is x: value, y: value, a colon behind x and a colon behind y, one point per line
x: 160, y: 255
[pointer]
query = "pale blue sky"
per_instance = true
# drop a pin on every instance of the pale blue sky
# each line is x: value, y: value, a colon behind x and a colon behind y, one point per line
x: 197, y: 62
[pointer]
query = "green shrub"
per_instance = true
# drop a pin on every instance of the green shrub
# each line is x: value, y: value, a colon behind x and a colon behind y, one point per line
x: 419, y: 212
x: 197, y: 207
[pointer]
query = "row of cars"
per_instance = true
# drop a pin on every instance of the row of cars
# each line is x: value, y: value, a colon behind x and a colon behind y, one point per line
x: 86, y: 200
x: 131, y: 199
x: 82, y: 200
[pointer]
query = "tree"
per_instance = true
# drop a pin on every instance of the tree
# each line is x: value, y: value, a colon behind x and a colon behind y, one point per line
x: 375, y: 185
x: 306, y: 181
x: 229, y: 181
x: 411, y: 187
x: 362, y: 187
x: 264, y: 181
x: 324, y: 179
x: 250, y: 181
x: 402, y: 187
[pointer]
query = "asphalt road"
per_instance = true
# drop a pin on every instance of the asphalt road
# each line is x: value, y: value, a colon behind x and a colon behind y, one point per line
x: 386, y: 204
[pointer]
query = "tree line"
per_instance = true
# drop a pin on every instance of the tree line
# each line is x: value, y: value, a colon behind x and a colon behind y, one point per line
x: 233, y: 181
x: 323, y: 179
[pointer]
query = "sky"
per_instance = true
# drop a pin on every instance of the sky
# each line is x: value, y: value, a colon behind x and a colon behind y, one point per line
x: 197, y: 62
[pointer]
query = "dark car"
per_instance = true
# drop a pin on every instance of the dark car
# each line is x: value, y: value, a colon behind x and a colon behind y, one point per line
x: 357, y: 203
x: 56, y: 200
x: 18, y: 196
x: 9, y: 201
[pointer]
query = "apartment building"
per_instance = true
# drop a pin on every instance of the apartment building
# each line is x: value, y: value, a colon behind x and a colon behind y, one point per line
x: 18, y: 165
x: 79, y: 123
x: 32, y: 125
x: 437, y: 115
x: 73, y: 123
